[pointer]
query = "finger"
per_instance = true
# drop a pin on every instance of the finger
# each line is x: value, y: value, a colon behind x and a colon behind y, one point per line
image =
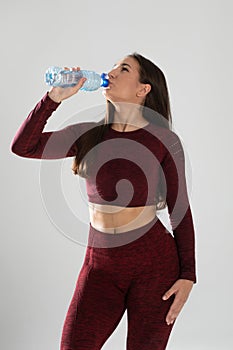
x: 169, y: 293
x: 73, y: 68
x: 174, y: 311
x: 171, y: 316
x: 82, y: 81
x: 80, y: 84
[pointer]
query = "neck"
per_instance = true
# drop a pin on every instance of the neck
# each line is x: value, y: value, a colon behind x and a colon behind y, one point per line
x: 128, y: 116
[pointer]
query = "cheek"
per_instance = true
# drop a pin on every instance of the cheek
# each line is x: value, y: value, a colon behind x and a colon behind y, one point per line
x: 125, y: 90
x: 130, y: 91
x: 129, y: 87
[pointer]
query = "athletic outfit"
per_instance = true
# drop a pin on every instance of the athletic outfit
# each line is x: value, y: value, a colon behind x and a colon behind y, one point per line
x: 130, y: 270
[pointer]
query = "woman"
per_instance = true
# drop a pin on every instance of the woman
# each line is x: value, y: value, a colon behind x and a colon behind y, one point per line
x: 133, y: 165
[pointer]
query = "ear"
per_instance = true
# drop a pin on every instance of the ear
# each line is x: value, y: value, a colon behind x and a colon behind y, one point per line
x: 143, y: 90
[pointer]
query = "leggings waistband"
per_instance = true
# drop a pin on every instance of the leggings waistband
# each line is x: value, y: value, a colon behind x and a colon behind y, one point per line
x: 100, y: 239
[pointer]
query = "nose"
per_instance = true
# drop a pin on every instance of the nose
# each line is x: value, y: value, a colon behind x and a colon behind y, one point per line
x: 112, y: 73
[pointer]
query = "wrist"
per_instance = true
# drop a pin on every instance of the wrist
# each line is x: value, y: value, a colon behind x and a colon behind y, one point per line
x: 54, y: 97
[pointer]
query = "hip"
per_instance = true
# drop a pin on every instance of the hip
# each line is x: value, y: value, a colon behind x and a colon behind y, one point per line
x: 150, y: 247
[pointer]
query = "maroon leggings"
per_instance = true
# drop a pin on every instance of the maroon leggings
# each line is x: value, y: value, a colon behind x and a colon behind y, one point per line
x: 118, y: 276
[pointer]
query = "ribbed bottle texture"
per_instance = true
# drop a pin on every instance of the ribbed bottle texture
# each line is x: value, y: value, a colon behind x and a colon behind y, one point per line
x: 56, y: 76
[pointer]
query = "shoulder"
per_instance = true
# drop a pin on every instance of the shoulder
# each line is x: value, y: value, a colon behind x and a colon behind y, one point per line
x: 166, y: 136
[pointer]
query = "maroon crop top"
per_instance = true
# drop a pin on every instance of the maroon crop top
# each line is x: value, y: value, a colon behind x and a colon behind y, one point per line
x: 126, y: 169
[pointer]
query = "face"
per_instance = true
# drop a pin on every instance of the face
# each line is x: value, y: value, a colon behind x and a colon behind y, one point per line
x: 124, y: 85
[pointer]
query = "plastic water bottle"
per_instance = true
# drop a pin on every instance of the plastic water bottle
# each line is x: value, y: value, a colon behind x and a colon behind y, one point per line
x: 56, y: 76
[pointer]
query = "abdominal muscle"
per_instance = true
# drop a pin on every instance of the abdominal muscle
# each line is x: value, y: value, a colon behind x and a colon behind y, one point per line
x: 116, y: 219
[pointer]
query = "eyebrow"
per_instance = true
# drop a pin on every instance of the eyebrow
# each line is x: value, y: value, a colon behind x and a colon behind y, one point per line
x: 122, y: 64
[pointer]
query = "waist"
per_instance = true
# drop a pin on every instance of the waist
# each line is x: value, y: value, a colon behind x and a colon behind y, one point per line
x: 115, y: 219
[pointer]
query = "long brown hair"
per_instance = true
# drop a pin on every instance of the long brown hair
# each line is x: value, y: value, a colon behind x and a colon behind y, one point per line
x: 157, y: 100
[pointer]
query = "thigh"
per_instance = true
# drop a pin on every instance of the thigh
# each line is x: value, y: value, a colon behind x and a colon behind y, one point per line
x: 146, y: 311
x: 146, y: 314
x: 96, y: 308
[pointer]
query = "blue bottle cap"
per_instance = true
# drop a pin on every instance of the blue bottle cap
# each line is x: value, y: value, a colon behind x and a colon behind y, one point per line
x: 105, y: 81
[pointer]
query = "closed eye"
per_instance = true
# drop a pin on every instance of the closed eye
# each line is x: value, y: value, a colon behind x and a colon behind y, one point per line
x: 124, y: 68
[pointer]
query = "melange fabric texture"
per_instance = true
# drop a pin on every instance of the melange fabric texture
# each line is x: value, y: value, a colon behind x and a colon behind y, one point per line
x: 125, y: 171
x: 132, y: 277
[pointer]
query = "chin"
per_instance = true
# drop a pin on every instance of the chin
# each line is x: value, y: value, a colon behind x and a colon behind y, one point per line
x: 111, y: 98
x: 106, y: 93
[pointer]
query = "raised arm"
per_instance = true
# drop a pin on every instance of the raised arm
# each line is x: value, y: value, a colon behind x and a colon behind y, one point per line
x: 179, y: 209
x: 31, y: 142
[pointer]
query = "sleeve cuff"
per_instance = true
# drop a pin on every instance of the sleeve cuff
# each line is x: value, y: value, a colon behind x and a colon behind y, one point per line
x: 188, y: 276
x: 49, y: 103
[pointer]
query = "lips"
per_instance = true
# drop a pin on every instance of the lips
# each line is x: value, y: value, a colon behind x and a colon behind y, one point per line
x: 110, y: 85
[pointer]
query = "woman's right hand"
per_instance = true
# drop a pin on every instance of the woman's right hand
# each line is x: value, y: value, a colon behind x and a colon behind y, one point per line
x: 58, y: 94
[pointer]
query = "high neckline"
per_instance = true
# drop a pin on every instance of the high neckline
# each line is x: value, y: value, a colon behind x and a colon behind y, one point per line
x: 131, y: 131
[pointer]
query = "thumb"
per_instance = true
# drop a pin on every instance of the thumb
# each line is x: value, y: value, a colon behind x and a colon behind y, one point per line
x: 81, y: 82
x: 169, y: 293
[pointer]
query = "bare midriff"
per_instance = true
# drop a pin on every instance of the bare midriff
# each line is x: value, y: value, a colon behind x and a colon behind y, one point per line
x: 116, y: 219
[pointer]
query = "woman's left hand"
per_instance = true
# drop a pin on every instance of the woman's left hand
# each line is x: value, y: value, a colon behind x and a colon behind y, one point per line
x: 181, y: 288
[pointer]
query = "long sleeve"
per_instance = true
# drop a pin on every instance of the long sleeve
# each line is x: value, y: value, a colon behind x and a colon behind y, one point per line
x: 179, y: 210
x: 31, y: 142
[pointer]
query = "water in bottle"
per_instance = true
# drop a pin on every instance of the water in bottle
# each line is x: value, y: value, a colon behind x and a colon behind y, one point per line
x: 56, y: 76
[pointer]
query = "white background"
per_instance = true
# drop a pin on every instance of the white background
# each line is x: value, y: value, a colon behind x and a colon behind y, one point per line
x: 191, y: 41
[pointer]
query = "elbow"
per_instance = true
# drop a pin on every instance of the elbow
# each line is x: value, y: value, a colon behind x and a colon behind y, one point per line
x: 16, y: 149
x: 26, y: 152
